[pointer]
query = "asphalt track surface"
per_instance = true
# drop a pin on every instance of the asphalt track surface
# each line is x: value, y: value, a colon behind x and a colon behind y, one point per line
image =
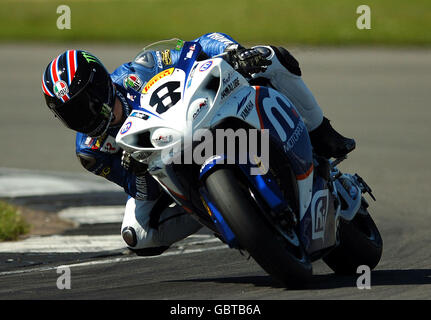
x: 378, y: 96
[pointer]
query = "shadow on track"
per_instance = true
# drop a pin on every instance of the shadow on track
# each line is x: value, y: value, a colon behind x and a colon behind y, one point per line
x: 378, y: 278
x: 333, y: 281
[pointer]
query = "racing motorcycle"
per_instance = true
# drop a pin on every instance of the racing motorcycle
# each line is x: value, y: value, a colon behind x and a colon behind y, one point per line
x: 286, y: 207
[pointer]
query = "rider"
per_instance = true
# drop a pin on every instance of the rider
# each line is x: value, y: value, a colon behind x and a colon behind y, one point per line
x: 86, y: 98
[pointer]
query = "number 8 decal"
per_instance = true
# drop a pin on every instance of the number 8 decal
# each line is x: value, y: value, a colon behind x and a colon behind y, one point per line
x: 165, y: 96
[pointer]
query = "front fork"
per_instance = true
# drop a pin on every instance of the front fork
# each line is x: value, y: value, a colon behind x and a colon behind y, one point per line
x: 348, y: 190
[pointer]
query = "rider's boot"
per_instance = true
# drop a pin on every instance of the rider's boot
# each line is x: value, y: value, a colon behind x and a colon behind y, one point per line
x: 329, y: 143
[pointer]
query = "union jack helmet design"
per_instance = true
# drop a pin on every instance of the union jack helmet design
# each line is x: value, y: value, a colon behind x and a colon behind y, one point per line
x: 79, y: 91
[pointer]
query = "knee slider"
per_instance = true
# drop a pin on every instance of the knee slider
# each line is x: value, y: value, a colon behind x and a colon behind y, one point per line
x: 136, y: 244
x: 287, y: 60
x: 129, y: 236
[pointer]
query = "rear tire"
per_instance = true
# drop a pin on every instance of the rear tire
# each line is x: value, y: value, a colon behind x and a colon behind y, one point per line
x: 276, y: 255
x: 360, y: 244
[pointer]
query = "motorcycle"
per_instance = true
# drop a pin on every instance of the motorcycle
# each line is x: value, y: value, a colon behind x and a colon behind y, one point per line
x: 287, y: 207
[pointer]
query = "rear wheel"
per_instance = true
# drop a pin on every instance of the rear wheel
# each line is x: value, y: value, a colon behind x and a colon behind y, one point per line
x: 278, y: 253
x: 360, y: 244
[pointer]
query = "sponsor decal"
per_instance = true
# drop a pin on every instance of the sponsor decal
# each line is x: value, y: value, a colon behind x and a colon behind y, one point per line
x: 105, y: 171
x: 230, y: 87
x: 319, y: 212
x: 94, y: 143
x: 133, y: 81
x: 140, y: 115
x: 159, y: 60
x: 131, y: 97
x: 219, y: 37
x: 191, y: 51
x: 189, y: 83
x: 61, y: 89
x: 96, y: 146
x: 205, y: 66
x: 110, y: 146
x: 227, y: 79
x: 88, y: 142
x: 90, y: 58
x: 241, y: 103
x: 163, y: 139
x: 126, y: 128
x: 179, y: 45
x: 202, y: 105
x: 166, y: 57
x: 296, y: 135
x: 248, y: 107
x: 191, y: 75
x: 106, y: 110
x: 156, y: 78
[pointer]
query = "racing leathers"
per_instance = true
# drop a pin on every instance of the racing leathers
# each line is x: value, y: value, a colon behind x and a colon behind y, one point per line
x: 147, y: 227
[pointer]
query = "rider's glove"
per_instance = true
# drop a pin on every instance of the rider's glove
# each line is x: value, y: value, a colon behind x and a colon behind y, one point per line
x: 132, y: 165
x: 246, y: 61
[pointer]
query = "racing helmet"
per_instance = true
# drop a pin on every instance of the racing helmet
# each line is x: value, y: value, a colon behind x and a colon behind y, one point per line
x: 79, y: 91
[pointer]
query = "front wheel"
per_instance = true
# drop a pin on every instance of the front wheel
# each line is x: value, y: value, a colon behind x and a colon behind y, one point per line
x: 273, y: 252
x: 360, y: 244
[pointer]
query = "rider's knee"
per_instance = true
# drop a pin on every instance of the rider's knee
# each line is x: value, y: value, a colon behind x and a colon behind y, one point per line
x: 287, y: 60
x: 142, y: 243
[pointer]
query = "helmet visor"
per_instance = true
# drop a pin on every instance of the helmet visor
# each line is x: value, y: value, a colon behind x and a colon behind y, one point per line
x: 91, y: 106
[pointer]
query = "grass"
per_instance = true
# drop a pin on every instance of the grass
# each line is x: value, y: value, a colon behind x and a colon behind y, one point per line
x: 12, y: 225
x: 314, y: 22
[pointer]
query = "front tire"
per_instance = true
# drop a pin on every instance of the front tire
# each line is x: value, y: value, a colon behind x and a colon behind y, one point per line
x: 264, y: 243
x: 360, y: 244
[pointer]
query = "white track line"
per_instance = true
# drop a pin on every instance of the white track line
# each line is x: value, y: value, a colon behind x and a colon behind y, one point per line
x: 20, y: 183
x: 64, y: 244
x: 93, y: 215
x: 114, y: 260
x: 83, y: 243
